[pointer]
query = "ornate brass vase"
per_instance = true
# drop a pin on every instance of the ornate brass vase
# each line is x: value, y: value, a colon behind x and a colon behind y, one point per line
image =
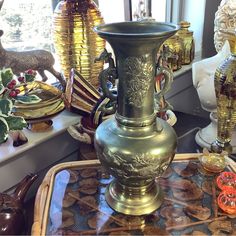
x: 134, y: 146
x: 225, y: 88
x: 76, y: 44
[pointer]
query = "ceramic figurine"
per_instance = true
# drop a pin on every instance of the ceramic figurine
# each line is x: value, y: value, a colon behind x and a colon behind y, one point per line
x: 39, y: 60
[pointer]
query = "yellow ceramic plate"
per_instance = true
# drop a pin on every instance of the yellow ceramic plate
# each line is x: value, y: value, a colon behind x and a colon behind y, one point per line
x: 50, y: 104
x: 40, y: 112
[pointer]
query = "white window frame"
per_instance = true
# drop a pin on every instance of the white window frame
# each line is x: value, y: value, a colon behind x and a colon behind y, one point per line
x: 172, y: 9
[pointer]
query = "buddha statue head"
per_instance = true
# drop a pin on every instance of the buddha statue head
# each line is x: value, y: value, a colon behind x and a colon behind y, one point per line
x: 225, y: 18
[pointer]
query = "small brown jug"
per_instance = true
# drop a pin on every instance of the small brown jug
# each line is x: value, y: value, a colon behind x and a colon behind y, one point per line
x: 12, y: 220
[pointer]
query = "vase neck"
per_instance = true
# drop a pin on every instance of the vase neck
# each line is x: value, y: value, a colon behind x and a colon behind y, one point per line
x: 135, y: 45
x: 136, y: 71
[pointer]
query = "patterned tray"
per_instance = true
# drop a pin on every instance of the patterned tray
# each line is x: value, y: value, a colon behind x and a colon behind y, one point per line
x: 71, y: 201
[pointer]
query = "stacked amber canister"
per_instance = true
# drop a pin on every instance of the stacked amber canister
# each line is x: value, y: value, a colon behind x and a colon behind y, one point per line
x: 179, y: 49
x: 75, y: 42
x: 186, y: 36
x: 175, y: 48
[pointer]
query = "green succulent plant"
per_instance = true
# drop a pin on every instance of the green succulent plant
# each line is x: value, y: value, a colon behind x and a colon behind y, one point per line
x: 9, y: 93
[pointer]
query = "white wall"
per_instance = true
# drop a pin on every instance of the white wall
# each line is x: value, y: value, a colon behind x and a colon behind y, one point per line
x: 194, y: 12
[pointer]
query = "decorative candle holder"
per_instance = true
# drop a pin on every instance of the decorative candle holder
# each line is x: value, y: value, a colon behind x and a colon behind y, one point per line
x: 225, y: 88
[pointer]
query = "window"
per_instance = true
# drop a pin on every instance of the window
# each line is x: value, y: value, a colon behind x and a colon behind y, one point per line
x: 148, y: 8
x: 121, y: 10
x: 110, y: 15
x: 27, y: 24
x: 159, y: 10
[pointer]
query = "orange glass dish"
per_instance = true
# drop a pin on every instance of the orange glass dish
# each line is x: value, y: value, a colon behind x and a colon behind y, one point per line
x: 226, y: 181
x: 227, y: 201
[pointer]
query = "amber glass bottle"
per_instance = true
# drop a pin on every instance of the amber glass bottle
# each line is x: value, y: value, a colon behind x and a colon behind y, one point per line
x: 176, y: 50
x: 188, y: 42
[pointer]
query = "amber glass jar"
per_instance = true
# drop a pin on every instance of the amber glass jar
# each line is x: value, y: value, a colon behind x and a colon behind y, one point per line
x: 175, y: 46
x: 186, y: 36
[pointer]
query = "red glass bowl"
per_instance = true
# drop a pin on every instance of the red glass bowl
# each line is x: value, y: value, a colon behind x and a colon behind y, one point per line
x: 226, y: 181
x: 227, y: 201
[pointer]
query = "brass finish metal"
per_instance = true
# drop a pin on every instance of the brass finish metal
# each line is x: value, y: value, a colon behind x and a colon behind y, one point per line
x: 135, y: 146
x: 128, y: 199
x: 188, y: 42
x: 75, y: 41
x: 225, y: 88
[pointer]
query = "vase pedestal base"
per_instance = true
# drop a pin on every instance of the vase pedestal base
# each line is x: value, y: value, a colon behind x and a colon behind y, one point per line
x: 134, y: 200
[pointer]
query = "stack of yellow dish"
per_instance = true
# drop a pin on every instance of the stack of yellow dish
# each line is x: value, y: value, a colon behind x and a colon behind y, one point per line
x: 76, y: 44
x: 51, y: 102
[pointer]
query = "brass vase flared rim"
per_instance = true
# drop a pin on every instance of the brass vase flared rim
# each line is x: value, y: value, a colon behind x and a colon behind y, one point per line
x: 137, y: 29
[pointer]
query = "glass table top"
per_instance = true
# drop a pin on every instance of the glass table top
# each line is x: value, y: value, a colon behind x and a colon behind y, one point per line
x: 78, y: 206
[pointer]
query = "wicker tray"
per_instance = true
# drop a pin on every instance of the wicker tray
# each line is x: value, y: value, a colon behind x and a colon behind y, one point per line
x: 85, y: 217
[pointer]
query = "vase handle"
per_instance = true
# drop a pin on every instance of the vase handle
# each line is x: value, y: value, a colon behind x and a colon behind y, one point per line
x: 108, y: 75
x: 168, y: 79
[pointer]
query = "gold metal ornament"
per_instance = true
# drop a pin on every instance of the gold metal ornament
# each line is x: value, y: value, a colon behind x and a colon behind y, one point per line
x: 225, y: 88
x: 76, y: 44
x: 188, y: 42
